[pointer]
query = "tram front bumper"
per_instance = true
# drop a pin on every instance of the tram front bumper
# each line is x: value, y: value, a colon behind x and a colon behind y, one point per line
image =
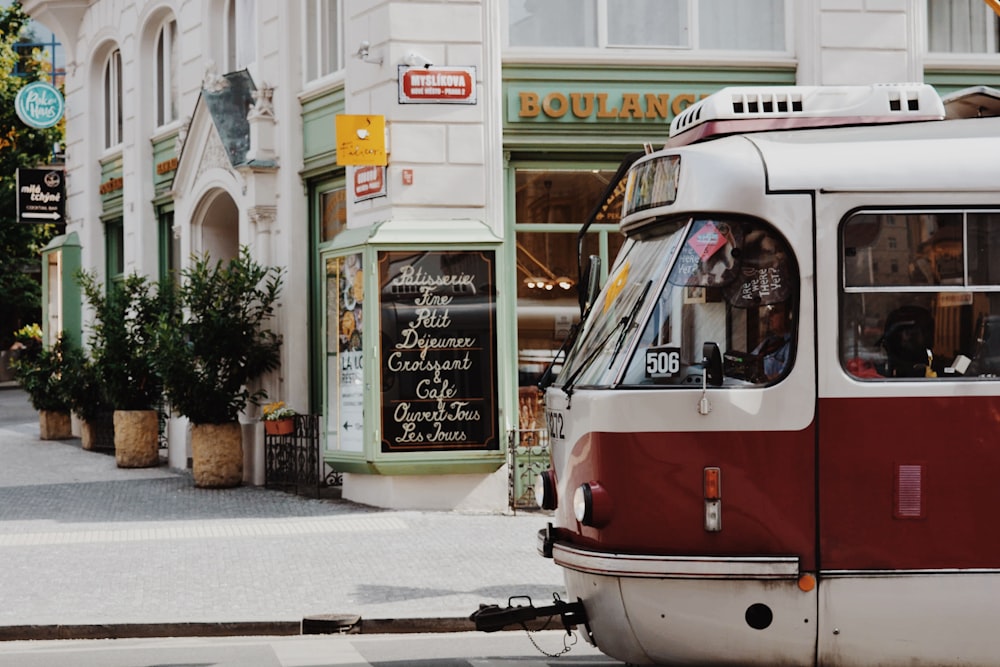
x: 655, y: 609
x: 655, y: 566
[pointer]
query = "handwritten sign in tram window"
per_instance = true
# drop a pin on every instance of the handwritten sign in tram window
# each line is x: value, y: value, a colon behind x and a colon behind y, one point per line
x: 709, y: 256
x: 438, y: 350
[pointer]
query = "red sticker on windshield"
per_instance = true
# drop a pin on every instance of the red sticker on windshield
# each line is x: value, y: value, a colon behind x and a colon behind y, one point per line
x: 707, y: 241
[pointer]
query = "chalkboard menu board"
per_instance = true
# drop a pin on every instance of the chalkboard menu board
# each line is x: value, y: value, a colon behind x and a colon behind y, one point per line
x: 438, y: 350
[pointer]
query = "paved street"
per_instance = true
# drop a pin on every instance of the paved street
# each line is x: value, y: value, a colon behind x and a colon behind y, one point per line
x: 504, y: 649
x: 85, y: 543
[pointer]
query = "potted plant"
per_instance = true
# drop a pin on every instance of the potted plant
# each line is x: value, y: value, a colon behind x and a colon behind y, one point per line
x: 44, y: 374
x: 89, y: 400
x: 126, y: 316
x: 210, y: 347
x: 278, y: 418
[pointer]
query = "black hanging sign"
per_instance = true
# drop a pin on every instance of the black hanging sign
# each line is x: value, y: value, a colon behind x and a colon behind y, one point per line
x: 438, y: 350
x: 41, y: 196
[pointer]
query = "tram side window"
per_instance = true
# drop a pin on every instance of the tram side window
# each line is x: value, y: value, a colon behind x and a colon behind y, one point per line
x: 733, y: 283
x: 921, y: 294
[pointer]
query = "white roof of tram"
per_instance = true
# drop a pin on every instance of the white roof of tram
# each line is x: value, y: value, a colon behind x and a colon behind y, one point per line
x: 933, y: 155
x: 884, y: 137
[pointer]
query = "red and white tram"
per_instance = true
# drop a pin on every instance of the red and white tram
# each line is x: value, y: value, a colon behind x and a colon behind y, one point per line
x: 776, y: 438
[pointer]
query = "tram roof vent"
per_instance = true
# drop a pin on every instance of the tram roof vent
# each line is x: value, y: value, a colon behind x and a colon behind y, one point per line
x: 759, y: 108
x: 975, y: 102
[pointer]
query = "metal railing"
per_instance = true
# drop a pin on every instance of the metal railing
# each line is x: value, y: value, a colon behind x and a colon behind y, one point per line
x: 293, y: 462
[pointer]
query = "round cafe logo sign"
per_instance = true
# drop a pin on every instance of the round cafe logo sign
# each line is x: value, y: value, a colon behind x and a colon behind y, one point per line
x: 39, y: 104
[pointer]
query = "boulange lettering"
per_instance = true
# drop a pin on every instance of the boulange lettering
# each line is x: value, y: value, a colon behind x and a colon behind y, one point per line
x: 602, y: 105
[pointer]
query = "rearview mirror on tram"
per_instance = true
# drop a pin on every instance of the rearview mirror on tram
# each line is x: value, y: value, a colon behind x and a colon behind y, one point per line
x: 712, y: 363
x: 592, y: 283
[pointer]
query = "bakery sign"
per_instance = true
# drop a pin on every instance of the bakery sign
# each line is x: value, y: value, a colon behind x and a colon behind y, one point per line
x: 369, y: 182
x: 438, y: 350
x: 437, y: 85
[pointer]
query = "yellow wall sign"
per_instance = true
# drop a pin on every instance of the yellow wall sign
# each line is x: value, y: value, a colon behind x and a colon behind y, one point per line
x: 361, y: 140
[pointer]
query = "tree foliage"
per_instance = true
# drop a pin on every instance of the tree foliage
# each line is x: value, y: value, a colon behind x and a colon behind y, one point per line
x: 45, y: 373
x: 214, y: 342
x: 27, y: 147
x: 122, y: 341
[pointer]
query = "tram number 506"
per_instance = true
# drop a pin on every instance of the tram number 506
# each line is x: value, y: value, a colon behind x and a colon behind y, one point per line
x: 663, y: 362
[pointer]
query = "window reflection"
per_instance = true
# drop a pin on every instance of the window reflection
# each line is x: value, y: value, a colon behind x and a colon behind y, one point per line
x: 333, y: 216
x: 937, y: 316
x: 929, y: 247
x: 551, y: 205
x: 733, y: 283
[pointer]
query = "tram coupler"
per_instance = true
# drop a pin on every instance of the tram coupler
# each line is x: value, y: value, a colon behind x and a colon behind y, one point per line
x: 491, y: 617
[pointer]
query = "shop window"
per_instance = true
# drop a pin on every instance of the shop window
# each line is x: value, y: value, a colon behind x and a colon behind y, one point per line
x: 166, y: 73
x: 114, y: 249
x: 113, y: 99
x: 938, y: 315
x: 169, y: 245
x: 333, y: 213
x: 962, y: 26
x: 323, y: 42
x: 551, y: 205
x: 735, y: 25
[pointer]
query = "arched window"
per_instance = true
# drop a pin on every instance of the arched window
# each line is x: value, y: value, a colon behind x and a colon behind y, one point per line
x: 113, y: 99
x: 166, y: 73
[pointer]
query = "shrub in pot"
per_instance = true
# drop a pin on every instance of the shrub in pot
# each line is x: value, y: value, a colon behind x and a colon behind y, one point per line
x: 89, y: 400
x: 122, y: 343
x: 211, y: 346
x: 44, y: 374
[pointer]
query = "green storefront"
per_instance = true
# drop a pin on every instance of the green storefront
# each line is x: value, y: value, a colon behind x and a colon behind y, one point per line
x: 565, y: 132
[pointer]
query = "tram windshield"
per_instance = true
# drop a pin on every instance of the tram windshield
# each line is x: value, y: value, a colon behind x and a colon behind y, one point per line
x: 725, y: 280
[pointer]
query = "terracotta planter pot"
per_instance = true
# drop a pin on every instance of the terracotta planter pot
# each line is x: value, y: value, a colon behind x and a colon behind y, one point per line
x: 279, y: 426
x: 217, y: 455
x: 137, y: 438
x: 54, y: 425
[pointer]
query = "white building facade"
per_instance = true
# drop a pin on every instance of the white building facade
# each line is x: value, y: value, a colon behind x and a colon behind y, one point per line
x: 201, y: 127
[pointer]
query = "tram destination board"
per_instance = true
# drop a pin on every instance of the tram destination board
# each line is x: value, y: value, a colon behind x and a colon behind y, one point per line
x: 438, y: 350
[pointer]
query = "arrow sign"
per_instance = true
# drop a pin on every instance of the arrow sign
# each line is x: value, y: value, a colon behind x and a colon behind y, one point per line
x: 41, y: 195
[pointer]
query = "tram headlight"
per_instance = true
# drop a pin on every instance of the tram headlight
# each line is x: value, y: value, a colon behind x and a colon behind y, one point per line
x: 545, y: 490
x: 592, y: 504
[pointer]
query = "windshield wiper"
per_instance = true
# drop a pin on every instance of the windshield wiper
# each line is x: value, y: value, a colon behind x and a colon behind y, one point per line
x: 628, y: 320
x: 548, y: 377
x: 623, y: 326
